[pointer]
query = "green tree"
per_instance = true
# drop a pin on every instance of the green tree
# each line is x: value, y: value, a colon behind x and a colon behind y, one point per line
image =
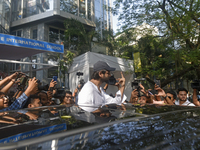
x: 79, y: 35
x: 178, y: 24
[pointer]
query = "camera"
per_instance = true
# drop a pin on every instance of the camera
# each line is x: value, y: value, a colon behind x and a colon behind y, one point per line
x: 135, y: 84
x: 111, y: 80
x: 23, y: 82
x: 42, y: 87
x: 81, y: 84
x: 79, y: 74
x: 59, y: 93
x: 195, y: 84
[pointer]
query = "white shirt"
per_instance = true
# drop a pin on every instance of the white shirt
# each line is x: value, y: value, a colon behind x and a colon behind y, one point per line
x: 187, y: 103
x: 90, y: 98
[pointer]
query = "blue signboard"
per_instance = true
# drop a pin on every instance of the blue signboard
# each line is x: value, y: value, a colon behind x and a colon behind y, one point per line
x: 34, y: 133
x: 29, y: 43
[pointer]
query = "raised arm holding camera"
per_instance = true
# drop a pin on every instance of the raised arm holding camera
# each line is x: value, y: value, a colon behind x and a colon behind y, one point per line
x: 17, y: 104
x: 92, y: 95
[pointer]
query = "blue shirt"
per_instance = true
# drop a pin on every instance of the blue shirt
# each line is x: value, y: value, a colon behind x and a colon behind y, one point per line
x: 17, y: 104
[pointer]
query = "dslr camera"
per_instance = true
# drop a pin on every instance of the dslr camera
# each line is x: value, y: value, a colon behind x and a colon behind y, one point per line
x: 135, y: 84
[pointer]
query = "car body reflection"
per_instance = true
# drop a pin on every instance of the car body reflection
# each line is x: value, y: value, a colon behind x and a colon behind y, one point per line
x: 113, y: 127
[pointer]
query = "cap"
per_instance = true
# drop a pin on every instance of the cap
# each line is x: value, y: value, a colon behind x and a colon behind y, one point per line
x: 101, y: 65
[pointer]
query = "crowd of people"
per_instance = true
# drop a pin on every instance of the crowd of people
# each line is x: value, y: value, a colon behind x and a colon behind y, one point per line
x: 89, y: 97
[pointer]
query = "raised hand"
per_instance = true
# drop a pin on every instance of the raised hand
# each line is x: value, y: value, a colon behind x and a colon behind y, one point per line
x: 122, y: 80
x: 52, y: 83
x: 32, y: 87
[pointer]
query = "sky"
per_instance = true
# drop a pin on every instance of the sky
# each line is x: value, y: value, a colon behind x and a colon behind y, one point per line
x: 115, y: 22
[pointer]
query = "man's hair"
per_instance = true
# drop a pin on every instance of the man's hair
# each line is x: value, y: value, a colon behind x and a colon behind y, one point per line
x: 68, y: 92
x: 181, y: 89
x: 31, y: 100
x: 42, y: 92
x: 2, y: 93
x: 172, y: 92
x: 95, y: 74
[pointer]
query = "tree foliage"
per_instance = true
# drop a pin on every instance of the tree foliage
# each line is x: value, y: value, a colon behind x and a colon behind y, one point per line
x: 79, y: 35
x: 174, y: 53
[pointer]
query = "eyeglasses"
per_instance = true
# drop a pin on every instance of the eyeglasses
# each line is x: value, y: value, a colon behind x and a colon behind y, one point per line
x: 69, y: 97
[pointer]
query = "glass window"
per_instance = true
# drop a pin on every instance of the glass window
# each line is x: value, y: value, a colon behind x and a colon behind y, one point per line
x: 17, y: 33
x: 69, y: 6
x: 52, y: 72
x: 34, y: 33
x: 82, y: 8
x: 89, y: 10
x: 16, y: 10
x: 54, y: 35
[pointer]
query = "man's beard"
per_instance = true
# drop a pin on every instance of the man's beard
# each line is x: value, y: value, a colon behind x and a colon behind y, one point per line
x: 105, y: 80
x: 182, y: 100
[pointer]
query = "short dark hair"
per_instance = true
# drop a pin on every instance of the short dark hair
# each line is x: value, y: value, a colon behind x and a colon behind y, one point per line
x: 31, y: 100
x: 2, y: 93
x: 172, y: 92
x: 95, y: 74
x: 66, y: 92
x: 181, y: 89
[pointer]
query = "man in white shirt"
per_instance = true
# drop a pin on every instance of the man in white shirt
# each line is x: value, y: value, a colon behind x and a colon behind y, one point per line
x: 92, y: 96
x: 182, y: 98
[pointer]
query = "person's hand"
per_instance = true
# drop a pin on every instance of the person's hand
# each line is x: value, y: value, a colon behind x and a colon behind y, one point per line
x: 32, y: 116
x: 52, y: 83
x: 122, y: 80
x: 75, y: 91
x: 142, y: 89
x: 32, y: 87
x: 13, y: 76
x: 161, y: 92
x: 134, y: 93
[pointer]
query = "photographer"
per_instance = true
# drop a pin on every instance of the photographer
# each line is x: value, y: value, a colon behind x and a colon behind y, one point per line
x: 92, y: 96
x: 68, y: 98
x: 17, y: 104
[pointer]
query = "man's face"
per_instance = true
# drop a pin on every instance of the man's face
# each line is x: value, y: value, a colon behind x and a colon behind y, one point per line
x: 105, y: 77
x: 36, y: 103
x: 182, y: 95
x: 44, y: 99
x: 171, y: 97
x: 67, y: 98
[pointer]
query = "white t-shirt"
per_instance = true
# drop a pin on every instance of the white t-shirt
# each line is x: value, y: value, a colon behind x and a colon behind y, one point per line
x: 90, y: 98
x: 187, y: 103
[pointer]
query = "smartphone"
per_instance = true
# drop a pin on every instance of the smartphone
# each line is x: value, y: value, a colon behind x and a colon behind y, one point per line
x: 55, y: 78
x: 157, y: 82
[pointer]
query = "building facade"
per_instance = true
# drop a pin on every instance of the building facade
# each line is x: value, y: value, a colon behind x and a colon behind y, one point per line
x: 43, y: 20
